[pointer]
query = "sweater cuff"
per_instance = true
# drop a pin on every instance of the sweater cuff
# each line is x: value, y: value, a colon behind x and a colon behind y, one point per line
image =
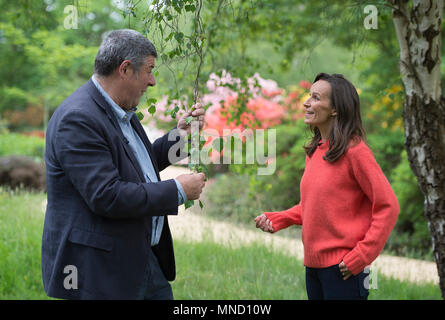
x: 354, y: 262
x: 277, y: 220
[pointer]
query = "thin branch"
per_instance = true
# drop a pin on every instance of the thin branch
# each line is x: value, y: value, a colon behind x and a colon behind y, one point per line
x: 198, y: 30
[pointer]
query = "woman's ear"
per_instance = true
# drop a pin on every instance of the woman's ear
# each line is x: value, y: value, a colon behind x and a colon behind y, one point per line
x: 334, y: 113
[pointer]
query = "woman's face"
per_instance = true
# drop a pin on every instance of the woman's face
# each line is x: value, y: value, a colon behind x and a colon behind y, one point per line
x: 318, y: 111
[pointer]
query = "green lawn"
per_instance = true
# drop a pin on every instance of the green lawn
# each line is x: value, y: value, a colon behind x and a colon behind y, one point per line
x: 204, y: 270
x: 21, y: 224
x: 211, y: 271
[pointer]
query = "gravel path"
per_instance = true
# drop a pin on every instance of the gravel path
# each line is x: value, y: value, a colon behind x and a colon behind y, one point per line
x: 205, y: 229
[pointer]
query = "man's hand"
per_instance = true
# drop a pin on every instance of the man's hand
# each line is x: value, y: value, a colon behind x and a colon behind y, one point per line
x: 264, y: 223
x: 197, y: 112
x: 192, y: 183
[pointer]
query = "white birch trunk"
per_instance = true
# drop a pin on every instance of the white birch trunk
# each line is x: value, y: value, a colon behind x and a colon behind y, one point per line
x: 418, y: 28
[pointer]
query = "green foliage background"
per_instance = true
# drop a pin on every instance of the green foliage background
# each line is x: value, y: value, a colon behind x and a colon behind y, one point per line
x: 287, y: 41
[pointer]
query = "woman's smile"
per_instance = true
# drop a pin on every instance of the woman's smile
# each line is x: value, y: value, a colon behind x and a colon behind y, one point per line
x: 308, y: 114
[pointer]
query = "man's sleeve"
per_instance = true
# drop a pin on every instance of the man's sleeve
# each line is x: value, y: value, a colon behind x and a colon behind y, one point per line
x: 181, y: 193
x: 168, y: 149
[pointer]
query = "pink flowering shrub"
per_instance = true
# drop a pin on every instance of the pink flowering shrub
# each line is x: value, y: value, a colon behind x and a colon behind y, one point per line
x: 263, y: 107
x: 266, y: 105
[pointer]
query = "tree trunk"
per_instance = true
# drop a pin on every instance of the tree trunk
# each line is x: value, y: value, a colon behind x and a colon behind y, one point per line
x: 418, y: 28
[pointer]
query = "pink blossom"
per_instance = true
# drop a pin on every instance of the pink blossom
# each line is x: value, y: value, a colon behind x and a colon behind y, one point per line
x: 305, y: 84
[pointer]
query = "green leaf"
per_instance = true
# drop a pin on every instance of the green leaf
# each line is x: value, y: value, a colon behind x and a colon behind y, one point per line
x: 189, y: 203
x: 168, y: 38
x: 140, y: 116
x: 188, y: 120
x: 178, y: 9
x: 189, y: 8
x: 200, y: 204
x: 203, y: 168
x: 151, y: 101
x: 179, y: 36
x: 152, y: 109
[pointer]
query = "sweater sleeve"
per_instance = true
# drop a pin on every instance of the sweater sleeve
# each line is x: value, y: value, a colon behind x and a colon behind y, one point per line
x: 283, y: 219
x: 385, y: 208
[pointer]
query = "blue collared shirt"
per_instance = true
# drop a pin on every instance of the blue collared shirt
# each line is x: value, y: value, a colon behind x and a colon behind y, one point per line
x: 140, y: 152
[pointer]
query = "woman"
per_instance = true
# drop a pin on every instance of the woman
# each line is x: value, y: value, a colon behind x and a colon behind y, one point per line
x: 347, y: 208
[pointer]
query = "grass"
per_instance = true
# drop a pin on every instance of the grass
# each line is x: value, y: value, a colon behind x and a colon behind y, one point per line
x: 212, y: 271
x: 21, y: 225
x: 205, y: 270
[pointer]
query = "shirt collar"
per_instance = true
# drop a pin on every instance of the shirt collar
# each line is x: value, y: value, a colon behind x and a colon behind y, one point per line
x: 121, y: 114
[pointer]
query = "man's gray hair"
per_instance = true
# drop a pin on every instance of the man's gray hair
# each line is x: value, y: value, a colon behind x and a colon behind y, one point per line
x: 120, y: 45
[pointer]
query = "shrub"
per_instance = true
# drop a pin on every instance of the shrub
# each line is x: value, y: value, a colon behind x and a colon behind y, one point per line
x: 387, y: 146
x: 411, y: 235
x: 19, y: 144
x: 242, y: 197
x: 283, y: 187
x: 32, y: 116
x: 22, y: 172
x: 12, y: 98
x: 228, y: 197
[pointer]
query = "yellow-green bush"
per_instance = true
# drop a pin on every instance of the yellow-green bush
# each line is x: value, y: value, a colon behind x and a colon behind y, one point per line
x: 19, y: 144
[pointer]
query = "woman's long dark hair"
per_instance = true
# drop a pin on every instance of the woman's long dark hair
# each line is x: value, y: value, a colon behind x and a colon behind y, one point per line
x: 347, y: 124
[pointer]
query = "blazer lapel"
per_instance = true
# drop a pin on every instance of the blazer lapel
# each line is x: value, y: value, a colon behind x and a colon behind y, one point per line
x: 101, y: 102
x: 132, y: 158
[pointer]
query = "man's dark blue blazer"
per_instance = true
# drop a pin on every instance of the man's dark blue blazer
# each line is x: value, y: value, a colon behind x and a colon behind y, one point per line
x: 99, y: 211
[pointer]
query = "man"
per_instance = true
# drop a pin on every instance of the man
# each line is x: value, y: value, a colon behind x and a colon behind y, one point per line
x: 106, y: 233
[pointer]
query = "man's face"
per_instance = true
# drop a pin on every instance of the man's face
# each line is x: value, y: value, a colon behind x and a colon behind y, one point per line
x: 136, y: 84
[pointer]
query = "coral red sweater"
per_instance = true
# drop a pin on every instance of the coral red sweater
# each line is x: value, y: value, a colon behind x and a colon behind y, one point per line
x: 347, y: 209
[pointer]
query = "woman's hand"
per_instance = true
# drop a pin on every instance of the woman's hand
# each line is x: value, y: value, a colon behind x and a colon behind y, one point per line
x: 264, y: 223
x: 344, y: 270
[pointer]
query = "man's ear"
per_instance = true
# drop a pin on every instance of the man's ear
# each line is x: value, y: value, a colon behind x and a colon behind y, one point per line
x: 125, y: 69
